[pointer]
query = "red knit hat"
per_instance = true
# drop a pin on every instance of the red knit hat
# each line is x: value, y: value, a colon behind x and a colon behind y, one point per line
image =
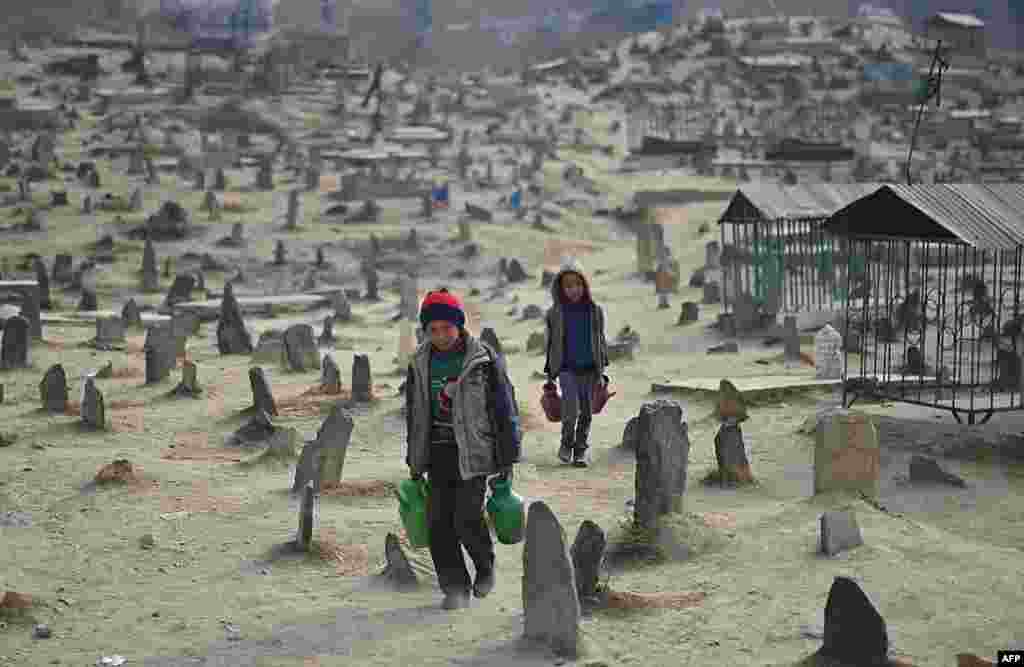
x: 442, y: 305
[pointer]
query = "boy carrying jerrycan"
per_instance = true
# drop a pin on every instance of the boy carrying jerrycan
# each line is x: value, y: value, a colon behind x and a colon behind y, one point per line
x: 462, y: 425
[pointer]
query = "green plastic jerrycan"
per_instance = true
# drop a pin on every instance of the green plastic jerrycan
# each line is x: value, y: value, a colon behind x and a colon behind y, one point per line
x: 412, y: 509
x: 507, y: 512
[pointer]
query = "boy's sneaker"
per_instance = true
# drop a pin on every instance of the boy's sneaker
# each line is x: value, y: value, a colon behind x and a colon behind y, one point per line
x: 565, y: 454
x: 484, y: 583
x: 580, y: 458
x: 455, y: 600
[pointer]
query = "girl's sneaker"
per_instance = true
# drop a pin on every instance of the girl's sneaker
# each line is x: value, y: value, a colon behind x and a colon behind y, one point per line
x: 565, y: 454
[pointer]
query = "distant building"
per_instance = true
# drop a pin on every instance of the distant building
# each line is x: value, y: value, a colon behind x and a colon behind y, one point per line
x: 960, y: 33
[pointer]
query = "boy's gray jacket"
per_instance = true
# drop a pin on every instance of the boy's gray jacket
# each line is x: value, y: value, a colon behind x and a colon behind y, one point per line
x: 474, y: 430
x: 556, y: 325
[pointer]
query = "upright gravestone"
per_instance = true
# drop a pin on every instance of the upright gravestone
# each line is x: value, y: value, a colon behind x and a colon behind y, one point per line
x: 847, y: 455
x: 53, y: 390
x: 731, y: 454
x: 232, y: 336
x: 131, y: 315
x: 550, y: 600
x: 323, y: 460
x: 362, y: 380
x: 663, y: 449
x: 181, y: 289
x: 109, y: 332
x: 855, y: 633
x: 63, y: 269
x: 689, y: 313
x: 44, y: 283
x: 790, y: 342
x: 828, y: 354
x: 150, y: 272
x: 159, y: 352
x: 14, y: 348
x: 587, y: 558
x: 304, y: 540
x: 330, y: 376
x: 292, y: 214
x: 262, y: 399
x: 300, y: 351
x: 92, y: 409
x: 371, y: 284
x: 342, y: 306
x: 265, y: 177
x: 189, y: 385
x: 30, y: 311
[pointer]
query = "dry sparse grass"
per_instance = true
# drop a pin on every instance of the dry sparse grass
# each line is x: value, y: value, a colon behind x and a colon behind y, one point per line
x: 193, y: 446
x: 359, y: 488
x: 624, y: 600
x: 351, y: 560
x: 200, y: 500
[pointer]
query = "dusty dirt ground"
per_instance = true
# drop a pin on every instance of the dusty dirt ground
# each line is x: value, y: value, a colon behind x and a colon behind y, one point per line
x: 942, y: 566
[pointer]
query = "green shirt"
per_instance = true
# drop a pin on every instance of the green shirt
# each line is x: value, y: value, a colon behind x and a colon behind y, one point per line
x: 443, y: 365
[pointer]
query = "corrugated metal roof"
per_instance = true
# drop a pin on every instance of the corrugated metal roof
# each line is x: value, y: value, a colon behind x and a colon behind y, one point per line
x: 985, y: 216
x: 792, y: 202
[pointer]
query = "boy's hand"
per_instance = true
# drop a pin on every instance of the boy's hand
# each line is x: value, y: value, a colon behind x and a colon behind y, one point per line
x: 414, y: 474
x: 505, y: 474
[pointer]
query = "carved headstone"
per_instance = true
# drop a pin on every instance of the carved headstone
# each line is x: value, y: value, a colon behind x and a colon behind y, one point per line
x: 150, y: 272
x: 130, y: 314
x: 63, y: 270
x: 109, y: 332
x: 855, y: 632
x: 731, y: 455
x: 790, y: 341
x: 181, y: 289
x: 189, y: 385
x: 304, y: 539
x: 262, y: 399
x: 159, y: 349
x: 53, y: 390
x: 587, y: 558
x: 689, y: 312
x: 323, y: 460
x: 300, y: 351
x: 662, y: 455
x: 92, y: 410
x: 292, y: 214
x: 43, y: 279
x: 730, y: 403
x: 847, y: 455
x: 232, y: 336
x: 330, y: 376
x: 14, y: 348
x: 550, y: 600
x: 362, y: 380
